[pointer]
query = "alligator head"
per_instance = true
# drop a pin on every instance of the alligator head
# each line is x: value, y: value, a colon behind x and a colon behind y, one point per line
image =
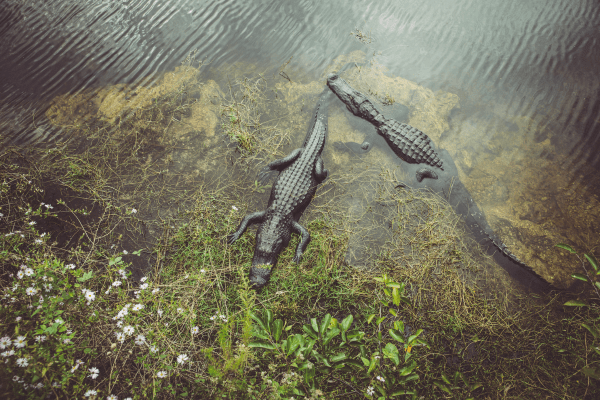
x: 271, y: 238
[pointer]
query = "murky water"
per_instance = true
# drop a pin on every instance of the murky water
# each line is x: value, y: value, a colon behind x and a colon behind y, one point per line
x: 510, y: 89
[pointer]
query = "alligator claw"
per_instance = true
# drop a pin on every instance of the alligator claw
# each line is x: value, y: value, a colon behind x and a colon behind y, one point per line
x: 297, y: 258
x: 232, y: 238
x: 264, y: 175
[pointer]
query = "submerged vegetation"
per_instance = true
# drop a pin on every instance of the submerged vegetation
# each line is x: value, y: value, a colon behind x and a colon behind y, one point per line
x: 117, y: 283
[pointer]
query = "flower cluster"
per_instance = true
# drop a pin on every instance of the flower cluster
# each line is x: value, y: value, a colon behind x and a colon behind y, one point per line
x: 223, y: 317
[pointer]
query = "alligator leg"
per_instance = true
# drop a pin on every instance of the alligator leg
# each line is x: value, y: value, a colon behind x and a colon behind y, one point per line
x: 250, y: 219
x: 278, y: 165
x: 300, y: 230
x: 320, y: 172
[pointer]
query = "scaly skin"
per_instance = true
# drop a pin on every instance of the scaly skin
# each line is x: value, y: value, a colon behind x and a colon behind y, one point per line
x: 408, y: 142
x: 300, y: 173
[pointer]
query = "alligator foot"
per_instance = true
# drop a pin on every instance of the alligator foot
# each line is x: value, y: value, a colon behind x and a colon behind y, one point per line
x: 425, y: 173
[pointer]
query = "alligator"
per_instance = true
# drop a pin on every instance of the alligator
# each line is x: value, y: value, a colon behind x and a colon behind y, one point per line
x: 444, y: 182
x: 299, y: 174
x: 408, y: 142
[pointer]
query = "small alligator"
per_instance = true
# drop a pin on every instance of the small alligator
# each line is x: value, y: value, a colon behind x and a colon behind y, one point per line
x: 415, y: 147
x: 300, y: 173
x: 408, y: 142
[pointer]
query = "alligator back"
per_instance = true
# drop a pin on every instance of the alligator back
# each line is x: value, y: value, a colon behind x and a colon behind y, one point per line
x: 296, y: 184
x: 409, y: 143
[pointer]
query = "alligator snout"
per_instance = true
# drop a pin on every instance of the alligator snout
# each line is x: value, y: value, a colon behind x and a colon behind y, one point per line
x: 259, y: 277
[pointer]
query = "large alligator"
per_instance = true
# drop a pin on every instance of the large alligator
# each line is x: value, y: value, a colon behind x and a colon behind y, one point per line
x: 300, y: 173
x: 416, y: 148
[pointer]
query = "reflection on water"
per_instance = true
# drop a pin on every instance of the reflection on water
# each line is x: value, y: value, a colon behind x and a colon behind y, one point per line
x: 509, y: 89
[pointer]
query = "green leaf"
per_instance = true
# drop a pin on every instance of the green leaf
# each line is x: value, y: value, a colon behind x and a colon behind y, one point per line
x: 581, y: 277
x: 396, y: 296
x: 330, y: 335
x: 576, y: 303
x: 366, y: 361
x: 393, y: 312
x: 259, y: 321
x: 310, y: 331
x: 445, y: 378
x: 391, y: 351
x: 324, y: 324
x: 395, y: 285
x: 370, y: 318
x: 347, y: 322
x: 566, y: 247
x: 380, y: 320
x: 413, y: 337
x: 592, y: 330
x: 442, y: 386
x: 86, y: 276
x: 408, y: 369
x: 592, y: 260
x: 315, y: 325
x: 338, y: 357
x: 277, y: 329
x: 262, y: 345
x: 372, y: 365
x: 597, y: 284
x: 403, y: 392
x: 114, y: 261
x: 396, y: 335
x: 269, y: 319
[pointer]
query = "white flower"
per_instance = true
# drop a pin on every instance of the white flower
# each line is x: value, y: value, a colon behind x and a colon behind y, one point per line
x: 161, y: 374
x: 128, y: 330
x: 20, y: 274
x: 59, y: 321
x: 203, y: 270
x: 47, y: 287
x: 144, y: 286
x: 112, y: 397
x: 48, y: 206
x: 182, y: 358
x: 38, y: 241
x: 90, y: 393
x: 380, y: 378
x: 28, y: 272
x: 94, y: 372
x: 133, y: 211
x: 143, y: 279
x: 71, y: 266
x: 31, y: 291
x: 67, y: 341
x: 125, y: 252
x: 195, y: 330
x: 5, y: 342
x: 140, y: 340
x: 55, y: 384
x: 120, y: 336
x: 90, y: 296
x: 137, y: 307
x: 116, y: 283
x: 120, y: 323
x: 179, y: 310
x: 20, y: 342
x: 154, y: 291
x: 370, y: 391
x: 15, y: 378
x: 32, y: 223
x: 213, y: 317
x: 40, y: 339
x: 8, y: 353
x: 153, y: 348
x: 160, y: 312
x: 20, y: 318
x: 22, y: 362
x: 234, y: 207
